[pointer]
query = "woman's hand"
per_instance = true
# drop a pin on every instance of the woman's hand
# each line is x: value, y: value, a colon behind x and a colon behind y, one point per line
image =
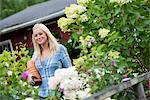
x: 30, y: 79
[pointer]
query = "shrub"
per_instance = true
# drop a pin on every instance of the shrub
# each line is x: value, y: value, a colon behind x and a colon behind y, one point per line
x: 12, y: 65
x: 113, y: 36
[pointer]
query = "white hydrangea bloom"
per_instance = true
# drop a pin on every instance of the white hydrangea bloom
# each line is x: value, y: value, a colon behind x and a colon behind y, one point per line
x: 83, y: 94
x: 84, y: 17
x: 63, y: 23
x: 83, y: 2
x: 53, y: 82
x: 69, y: 95
x: 103, y: 32
x: 28, y: 99
x: 9, y: 73
x: 69, y: 82
x: 113, y: 54
x: 99, y: 72
x: 74, y: 10
x: 6, y: 64
x: 82, y: 40
x: 5, y: 83
x: 121, y: 1
x: 78, y: 62
x: 24, y: 93
x: 87, y: 41
x: 66, y: 72
x: 24, y: 84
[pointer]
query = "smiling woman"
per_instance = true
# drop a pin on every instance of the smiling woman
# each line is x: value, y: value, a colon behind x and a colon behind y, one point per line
x: 48, y: 56
x: 39, y: 36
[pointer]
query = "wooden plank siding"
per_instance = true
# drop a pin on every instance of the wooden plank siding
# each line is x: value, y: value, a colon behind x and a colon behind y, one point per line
x: 22, y: 35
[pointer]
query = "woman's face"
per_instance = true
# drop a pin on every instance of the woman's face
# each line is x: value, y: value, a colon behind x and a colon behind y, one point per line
x: 39, y: 36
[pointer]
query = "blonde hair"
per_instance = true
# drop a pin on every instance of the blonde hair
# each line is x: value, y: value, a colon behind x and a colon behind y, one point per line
x: 53, y: 44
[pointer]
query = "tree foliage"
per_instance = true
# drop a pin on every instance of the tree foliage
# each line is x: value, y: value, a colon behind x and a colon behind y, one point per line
x: 9, y: 7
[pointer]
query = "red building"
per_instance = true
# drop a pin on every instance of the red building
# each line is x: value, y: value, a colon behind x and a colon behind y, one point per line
x: 18, y: 27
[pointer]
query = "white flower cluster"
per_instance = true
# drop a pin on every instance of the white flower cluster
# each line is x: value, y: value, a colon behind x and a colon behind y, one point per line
x: 121, y: 1
x: 79, y: 61
x: 99, y: 72
x: 69, y: 83
x: 113, y: 54
x: 88, y: 41
x: 63, y: 23
x: 6, y: 64
x: 28, y: 99
x: 9, y: 73
x: 74, y: 13
x: 74, y: 10
x: 103, y: 32
x: 83, y: 2
x: 84, y: 18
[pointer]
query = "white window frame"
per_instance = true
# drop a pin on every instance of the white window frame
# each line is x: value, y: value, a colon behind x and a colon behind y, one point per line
x: 7, y: 42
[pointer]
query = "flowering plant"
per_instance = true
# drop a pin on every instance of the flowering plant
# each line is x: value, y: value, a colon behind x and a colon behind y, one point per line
x: 69, y: 83
x: 25, y: 75
x: 113, y: 39
x: 12, y: 65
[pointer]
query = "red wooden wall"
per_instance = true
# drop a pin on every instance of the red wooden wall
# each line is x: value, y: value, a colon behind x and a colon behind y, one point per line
x: 24, y: 35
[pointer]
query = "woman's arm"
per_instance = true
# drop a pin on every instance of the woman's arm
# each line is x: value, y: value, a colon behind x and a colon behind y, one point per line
x: 65, y: 59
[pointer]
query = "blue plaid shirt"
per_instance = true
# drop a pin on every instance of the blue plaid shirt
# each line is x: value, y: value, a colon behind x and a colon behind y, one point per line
x: 47, y: 68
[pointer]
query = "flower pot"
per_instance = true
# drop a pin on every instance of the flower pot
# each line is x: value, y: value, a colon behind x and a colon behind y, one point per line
x: 31, y: 68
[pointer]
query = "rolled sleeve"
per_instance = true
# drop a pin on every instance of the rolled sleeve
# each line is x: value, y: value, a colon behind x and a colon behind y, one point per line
x: 66, y: 61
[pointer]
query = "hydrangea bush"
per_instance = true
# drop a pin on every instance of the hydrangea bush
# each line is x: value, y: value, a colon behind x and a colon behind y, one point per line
x: 114, y: 38
x: 12, y: 65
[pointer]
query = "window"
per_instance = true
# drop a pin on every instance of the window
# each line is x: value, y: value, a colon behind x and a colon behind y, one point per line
x: 6, y: 45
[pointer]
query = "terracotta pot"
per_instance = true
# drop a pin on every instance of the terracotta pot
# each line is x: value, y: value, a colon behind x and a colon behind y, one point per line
x: 31, y: 68
x: 65, y: 36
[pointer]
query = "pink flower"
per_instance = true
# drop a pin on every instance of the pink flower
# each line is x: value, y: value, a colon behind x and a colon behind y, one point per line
x: 149, y: 83
x: 25, y: 75
x: 113, y: 63
x: 92, y: 41
x: 61, y: 89
x: 125, y: 78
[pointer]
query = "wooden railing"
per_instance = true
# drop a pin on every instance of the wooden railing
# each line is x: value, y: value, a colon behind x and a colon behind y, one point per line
x: 136, y: 83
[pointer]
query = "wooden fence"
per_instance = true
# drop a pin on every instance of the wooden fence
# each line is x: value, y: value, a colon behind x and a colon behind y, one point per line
x: 136, y: 83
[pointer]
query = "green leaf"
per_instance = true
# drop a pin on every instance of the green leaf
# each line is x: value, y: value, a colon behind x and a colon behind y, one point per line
x: 113, y: 36
x: 124, y: 21
x: 75, y: 36
x: 146, y: 22
x: 133, y: 21
x: 117, y: 11
x: 139, y: 28
x: 101, y: 47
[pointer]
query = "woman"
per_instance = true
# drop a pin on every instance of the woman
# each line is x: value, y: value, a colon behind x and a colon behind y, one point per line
x: 48, y: 55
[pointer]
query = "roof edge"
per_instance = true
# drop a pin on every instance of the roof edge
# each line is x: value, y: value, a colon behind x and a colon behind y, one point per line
x: 23, y: 25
